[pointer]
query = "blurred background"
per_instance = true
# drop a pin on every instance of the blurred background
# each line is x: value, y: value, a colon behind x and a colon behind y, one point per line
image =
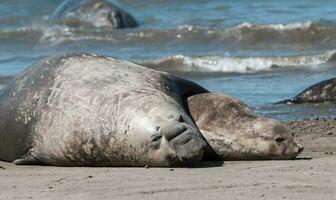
x: 258, y: 51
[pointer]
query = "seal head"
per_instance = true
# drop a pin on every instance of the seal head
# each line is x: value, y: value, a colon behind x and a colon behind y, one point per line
x: 91, y: 13
x: 235, y: 132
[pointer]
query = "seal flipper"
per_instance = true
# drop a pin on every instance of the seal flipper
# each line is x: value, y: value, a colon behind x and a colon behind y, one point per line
x: 28, y: 160
x: 176, y: 144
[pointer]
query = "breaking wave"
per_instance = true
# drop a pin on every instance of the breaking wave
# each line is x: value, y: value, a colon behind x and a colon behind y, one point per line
x: 303, y: 37
x: 181, y: 63
x: 245, y: 33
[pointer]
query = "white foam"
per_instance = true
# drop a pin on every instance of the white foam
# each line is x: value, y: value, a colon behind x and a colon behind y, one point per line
x: 277, y: 27
x: 238, y: 64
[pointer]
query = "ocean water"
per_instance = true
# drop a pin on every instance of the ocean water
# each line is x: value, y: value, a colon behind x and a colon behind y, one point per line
x: 258, y: 51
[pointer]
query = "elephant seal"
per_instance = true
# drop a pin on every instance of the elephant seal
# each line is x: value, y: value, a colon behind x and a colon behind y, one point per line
x: 88, y: 110
x: 235, y: 132
x: 94, y: 13
x: 324, y: 91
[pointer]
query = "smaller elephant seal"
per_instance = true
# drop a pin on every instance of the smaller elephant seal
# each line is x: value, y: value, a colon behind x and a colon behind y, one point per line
x: 324, y: 91
x: 235, y: 132
x: 91, y: 13
x: 87, y: 110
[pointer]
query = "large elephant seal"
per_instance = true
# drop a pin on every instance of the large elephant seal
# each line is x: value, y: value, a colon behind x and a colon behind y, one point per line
x: 235, y: 132
x: 88, y: 110
x: 96, y: 13
x: 324, y: 91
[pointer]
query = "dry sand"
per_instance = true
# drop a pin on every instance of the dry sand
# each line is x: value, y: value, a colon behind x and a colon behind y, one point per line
x: 312, y: 176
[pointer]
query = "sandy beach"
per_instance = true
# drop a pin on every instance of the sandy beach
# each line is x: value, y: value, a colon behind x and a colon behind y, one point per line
x: 311, y: 176
x: 260, y: 52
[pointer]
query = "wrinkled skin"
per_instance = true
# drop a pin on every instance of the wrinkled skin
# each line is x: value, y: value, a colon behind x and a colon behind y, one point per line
x: 87, y: 110
x: 324, y: 91
x: 92, y: 13
x: 235, y: 132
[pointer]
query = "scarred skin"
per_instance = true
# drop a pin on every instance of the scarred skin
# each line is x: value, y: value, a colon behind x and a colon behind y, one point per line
x: 87, y: 110
x: 94, y: 13
x: 324, y: 91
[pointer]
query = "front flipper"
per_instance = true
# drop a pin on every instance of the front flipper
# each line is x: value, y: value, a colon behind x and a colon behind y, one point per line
x: 175, y: 144
x: 28, y: 160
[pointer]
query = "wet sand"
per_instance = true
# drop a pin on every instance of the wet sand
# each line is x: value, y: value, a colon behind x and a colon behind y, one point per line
x: 311, y: 176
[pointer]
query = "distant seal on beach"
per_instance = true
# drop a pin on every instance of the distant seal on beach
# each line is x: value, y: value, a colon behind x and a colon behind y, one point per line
x: 324, y: 91
x: 96, y: 13
x: 87, y: 110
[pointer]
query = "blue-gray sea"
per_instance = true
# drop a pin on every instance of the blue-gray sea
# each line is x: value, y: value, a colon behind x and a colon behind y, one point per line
x: 259, y: 51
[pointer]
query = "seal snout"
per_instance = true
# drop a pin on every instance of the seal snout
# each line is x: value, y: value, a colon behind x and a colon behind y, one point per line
x: 295, y: 150
x: 297, y: 146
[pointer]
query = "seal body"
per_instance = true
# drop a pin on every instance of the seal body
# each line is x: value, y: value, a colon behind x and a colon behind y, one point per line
x: 324, y: 91
x: 95, y: 13
x: 235, y: 132
x: 87, y: 110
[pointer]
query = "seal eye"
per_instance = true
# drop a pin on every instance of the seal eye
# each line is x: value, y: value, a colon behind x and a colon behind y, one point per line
x: 279, y: 140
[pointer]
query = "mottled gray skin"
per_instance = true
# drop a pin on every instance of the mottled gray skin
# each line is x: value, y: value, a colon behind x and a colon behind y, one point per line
x: 87, y: 110
x: 235, y: 132
x: 324, y: 91
x: 95, y: 13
